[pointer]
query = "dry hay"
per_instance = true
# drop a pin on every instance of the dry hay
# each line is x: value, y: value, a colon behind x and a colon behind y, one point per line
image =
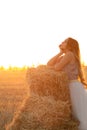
x: 48, y: 107
x: 45, y: 82
x: 43, y: 113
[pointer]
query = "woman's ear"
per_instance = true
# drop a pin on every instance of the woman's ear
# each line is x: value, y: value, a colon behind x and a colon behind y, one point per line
x: 69, y: 48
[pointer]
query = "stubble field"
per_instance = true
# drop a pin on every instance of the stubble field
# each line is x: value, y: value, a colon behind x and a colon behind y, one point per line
x: 13, y: 90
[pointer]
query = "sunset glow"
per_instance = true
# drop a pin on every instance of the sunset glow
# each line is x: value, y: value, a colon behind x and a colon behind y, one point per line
x: 30, y: 31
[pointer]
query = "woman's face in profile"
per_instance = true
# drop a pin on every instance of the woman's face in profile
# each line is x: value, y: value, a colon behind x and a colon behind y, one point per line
x: 63, y: 45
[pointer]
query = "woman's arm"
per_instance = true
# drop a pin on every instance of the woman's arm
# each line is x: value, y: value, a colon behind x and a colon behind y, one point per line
x: 65, y: 60
x: 54, y: 59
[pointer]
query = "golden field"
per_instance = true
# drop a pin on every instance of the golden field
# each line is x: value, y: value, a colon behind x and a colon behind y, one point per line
x: 13, y: 90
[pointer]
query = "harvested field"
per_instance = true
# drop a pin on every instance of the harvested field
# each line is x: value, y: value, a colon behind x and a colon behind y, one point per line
x: 44, y: 109
x: 13, y: 91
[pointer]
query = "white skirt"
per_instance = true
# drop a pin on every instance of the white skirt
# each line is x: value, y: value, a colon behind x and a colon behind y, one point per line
x: 79, y: 102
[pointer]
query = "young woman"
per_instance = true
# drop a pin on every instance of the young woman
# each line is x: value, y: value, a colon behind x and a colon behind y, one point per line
x: 68, y: 60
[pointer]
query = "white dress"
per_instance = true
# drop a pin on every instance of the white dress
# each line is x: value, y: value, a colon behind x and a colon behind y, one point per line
x: 79, y: 102
x: 78, y: 94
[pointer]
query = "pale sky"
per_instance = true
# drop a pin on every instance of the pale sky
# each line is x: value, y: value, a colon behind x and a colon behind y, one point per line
x: 31, y: 30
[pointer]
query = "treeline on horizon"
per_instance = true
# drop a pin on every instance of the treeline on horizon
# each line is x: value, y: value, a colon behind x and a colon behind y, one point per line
x: 23, y: 67
x: 13, y: 68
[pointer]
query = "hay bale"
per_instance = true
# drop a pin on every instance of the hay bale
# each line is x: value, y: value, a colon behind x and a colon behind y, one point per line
x: 45, y: 82
x: 43, y: 113
x: 48, y: 107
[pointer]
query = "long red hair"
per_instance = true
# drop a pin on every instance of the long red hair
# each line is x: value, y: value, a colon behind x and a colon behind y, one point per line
x: 73, y: 46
